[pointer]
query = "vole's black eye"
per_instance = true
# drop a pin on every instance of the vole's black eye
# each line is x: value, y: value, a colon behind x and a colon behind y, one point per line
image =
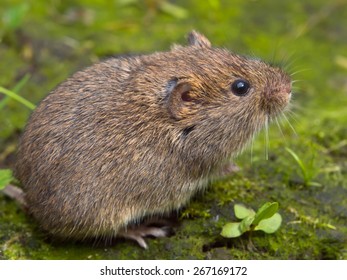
x: 240, y: 87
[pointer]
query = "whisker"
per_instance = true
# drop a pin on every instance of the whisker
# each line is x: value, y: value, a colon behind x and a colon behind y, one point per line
x: 280, y: 129
x: 295, y: 70
x: 299, y: 71
x: 298, y: 108
x: 274, y: 54
x: 293, y: 115
x: 295, y: 81
x: 295, y: 88
x: 295, y: 120
x: 290, y: 125
x: 266, y: 135
x: 288, y: 59
x: 252, y: 144
x: 288, y: 65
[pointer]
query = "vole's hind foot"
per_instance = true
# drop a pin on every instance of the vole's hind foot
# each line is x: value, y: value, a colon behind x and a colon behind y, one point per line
x: 17, y: 194
x: 138, y: 233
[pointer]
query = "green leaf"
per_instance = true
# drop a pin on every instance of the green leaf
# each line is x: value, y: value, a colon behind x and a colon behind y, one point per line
x: 231, y: 230
x: 266, y: 211
x: 270, y: 225
x: 5, y: 177
x: 242, y: 212
x: 245, y: 224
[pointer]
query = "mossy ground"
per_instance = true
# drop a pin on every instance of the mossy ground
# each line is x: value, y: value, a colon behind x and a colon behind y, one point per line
x: 49, y: 40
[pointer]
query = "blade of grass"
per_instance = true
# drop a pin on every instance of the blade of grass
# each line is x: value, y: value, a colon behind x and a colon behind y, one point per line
x: 21, y: 83
x: 17, y: 97
x: 16, y: 89
x: 299, y: 162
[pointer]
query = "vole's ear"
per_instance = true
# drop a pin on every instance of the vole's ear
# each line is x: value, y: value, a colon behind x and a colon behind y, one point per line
x: 198, y: 40
x: 180, y: 98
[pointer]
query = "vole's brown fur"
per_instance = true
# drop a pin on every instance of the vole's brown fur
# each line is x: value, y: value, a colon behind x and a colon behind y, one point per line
x: 134, y: 137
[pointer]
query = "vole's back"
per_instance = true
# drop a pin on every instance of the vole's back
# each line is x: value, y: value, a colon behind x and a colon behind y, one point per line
x: 91, y: 159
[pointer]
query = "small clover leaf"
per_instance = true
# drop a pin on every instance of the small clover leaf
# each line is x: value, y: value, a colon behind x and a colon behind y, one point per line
x: 265, y: 219
x: 242, y: 212
x: 231, y: 230
x: 266, y: 211
x: 246, y: 223
x: 270, y: 225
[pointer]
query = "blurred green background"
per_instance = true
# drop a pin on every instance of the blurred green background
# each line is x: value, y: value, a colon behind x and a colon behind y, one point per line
x: 44, y: 42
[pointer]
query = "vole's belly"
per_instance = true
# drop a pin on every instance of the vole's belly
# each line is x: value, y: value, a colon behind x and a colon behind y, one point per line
x: 82, y: 217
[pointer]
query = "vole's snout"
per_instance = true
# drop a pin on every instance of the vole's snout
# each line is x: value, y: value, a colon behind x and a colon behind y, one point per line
x: 276, y: 97
x: 287, y: 88
x: 285, y: 92
x: 283, y: 84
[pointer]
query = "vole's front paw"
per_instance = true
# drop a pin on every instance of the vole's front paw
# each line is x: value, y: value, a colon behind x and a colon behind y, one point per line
x: 226, y: 170
x: 138, y: 233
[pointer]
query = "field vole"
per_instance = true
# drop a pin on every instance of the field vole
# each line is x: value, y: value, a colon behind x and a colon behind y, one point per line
x: 137, y: 136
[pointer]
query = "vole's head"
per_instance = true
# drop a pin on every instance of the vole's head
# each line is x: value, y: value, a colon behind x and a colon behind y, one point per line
x: 208, y: 101
x: 210, y: 76
x: 222, y: 98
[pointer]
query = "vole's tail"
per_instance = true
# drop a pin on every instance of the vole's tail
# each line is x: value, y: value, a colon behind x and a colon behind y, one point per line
x: 16, y: 194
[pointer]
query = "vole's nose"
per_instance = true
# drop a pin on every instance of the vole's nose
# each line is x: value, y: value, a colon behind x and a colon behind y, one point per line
x: 288, y: 88
x: 284, y: 85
